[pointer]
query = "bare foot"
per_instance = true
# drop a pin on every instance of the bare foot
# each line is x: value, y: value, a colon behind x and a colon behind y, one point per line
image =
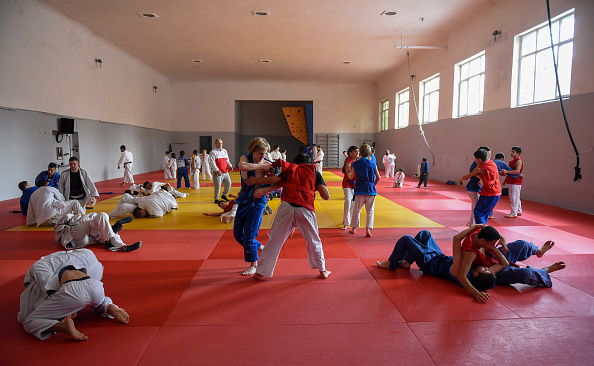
x: 352, y: 231
x: 546, y: 246
x: 325, y: 274
x: 368, y: 233
x: 250, y: 271
x: 555, y: 267
x: 119, y: 314
x: 345, y: 227
x: 66, y: 325
x: 384, y: 264
x: 404, y: 264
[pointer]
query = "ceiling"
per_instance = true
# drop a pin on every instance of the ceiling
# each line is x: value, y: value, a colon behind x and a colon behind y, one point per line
x: 305, y: 40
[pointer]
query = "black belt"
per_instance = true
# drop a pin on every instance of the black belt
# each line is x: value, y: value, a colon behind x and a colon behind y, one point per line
x: 128, y: 163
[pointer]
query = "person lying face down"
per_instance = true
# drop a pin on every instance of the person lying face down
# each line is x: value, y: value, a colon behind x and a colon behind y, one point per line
x: 157, y: 204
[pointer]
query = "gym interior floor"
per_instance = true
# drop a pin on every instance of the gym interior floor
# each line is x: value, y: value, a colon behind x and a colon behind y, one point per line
x: 188, y: 303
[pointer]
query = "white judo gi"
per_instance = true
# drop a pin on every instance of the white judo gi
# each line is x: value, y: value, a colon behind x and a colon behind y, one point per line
x: 40, y: 311
x: 196, y: 172
x: 79, y: 231
x: 87, y: 183
x: 127, y: 159
x: 156, y: 187
x: 167, y: 168
x: 47, y: 204
x: 157, y: 204
x: 319, y: 160
x: 389, y: 165
x: 204, y: 163
x: 398, y: 179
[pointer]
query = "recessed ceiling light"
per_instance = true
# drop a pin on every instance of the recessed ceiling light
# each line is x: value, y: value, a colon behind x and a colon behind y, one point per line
x: 261, y: 13
x: 148, y: 15
x: 346, y: 62
x: 389, y: 12
x: 264, y: 61
x: 195, y: 60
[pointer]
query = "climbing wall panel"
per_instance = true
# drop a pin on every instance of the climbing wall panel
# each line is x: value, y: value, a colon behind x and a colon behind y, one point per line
x: 295, y: 117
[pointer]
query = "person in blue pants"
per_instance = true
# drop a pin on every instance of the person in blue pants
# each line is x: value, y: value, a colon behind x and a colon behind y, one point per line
x: 182, y: 169
x: 424, y: 251
x: 249, y: 211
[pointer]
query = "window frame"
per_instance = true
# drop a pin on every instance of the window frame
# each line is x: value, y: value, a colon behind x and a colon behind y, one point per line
x: 399, y: 106
x: 423, y: 96
x: 385, y: 115
x: 460, y: 79
x: 517, y: 98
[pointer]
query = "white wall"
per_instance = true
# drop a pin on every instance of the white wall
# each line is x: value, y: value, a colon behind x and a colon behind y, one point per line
x: 47, y: 64
x: 210, y: 106
x: 538, y: 129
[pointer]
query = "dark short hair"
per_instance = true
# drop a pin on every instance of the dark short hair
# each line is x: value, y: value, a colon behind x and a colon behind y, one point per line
x: 483, y: 281
x: 166, y: 152
x: 488, y: 233
x: 486, y: 148
x: 51, y: 165
x: 481, y: 154
x: 39, y: 183
x: 23, y: 184
x: 352, y: 148
x: 424, y: 159
x: 401, y: 169
x: 146, y: 183
x: 182, y: 153
x: 301, y: 158
x: 195, y: 152
x: 173, y: 155
x: 283, y: 151
x: 137, y: 213
x: 73, y: 158
x: 123, y: 147
x: 517, y: 149
x: 499, y: 156
x: 275, y: 147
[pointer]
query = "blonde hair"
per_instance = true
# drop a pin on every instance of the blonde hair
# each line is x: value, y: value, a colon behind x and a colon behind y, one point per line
x: 365, y: 150
x: 259, y: 143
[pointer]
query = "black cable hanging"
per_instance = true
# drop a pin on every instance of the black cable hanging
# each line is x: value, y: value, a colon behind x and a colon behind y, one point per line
x: 578, y: 170
x: 412, y: 89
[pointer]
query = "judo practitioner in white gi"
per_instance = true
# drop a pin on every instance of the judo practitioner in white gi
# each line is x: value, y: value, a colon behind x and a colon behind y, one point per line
x: 153, y: 187
x: 319, y: 158
x: 173, y: 166
x: 195, y: 169
x: 166, y: 168
x: 79, y: 231
x: 389, y: 164
x: 47, y: 204
x: 127, y: 160
x: 205, y: 165
x: 155, y: 205
x: 76, y: 184
x: 57, y: 287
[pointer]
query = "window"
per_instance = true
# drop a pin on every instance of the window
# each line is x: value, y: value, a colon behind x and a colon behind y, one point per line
x: 533, y: 75
x: 469, y: 86
x: 429, y: 98
x: 402, y: 105
x: 385, y: 105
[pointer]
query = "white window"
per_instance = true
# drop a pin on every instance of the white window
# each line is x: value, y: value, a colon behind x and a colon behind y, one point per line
x: 429, y: 99
x: 533, y: 74
x: 384, y: 106
x: 402, y: 105
x: 469, y: 86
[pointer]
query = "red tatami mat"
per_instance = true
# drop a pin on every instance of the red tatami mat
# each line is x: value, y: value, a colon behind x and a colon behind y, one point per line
x: 558, y: 341
x: 297, y: 303
x: 189, y: 304
x: 268, y: 344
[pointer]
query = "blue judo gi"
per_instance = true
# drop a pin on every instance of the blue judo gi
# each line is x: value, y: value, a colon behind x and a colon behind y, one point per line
x: 248, y: 218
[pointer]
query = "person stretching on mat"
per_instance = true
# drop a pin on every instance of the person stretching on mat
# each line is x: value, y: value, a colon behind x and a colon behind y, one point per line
x: 57, y: 287
x: 423, y: 250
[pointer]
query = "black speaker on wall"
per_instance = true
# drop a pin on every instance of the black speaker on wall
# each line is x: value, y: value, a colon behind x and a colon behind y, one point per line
x: 66, y: 125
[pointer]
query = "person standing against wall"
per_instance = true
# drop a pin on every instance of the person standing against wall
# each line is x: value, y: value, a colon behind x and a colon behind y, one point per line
x: 126, y: 159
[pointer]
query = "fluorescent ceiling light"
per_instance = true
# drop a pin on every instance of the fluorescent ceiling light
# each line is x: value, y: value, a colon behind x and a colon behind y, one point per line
x: 148, y: 15
x: 261, y: 13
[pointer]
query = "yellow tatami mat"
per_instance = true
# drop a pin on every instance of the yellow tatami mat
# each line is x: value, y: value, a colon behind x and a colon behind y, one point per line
x: 189, y: 215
